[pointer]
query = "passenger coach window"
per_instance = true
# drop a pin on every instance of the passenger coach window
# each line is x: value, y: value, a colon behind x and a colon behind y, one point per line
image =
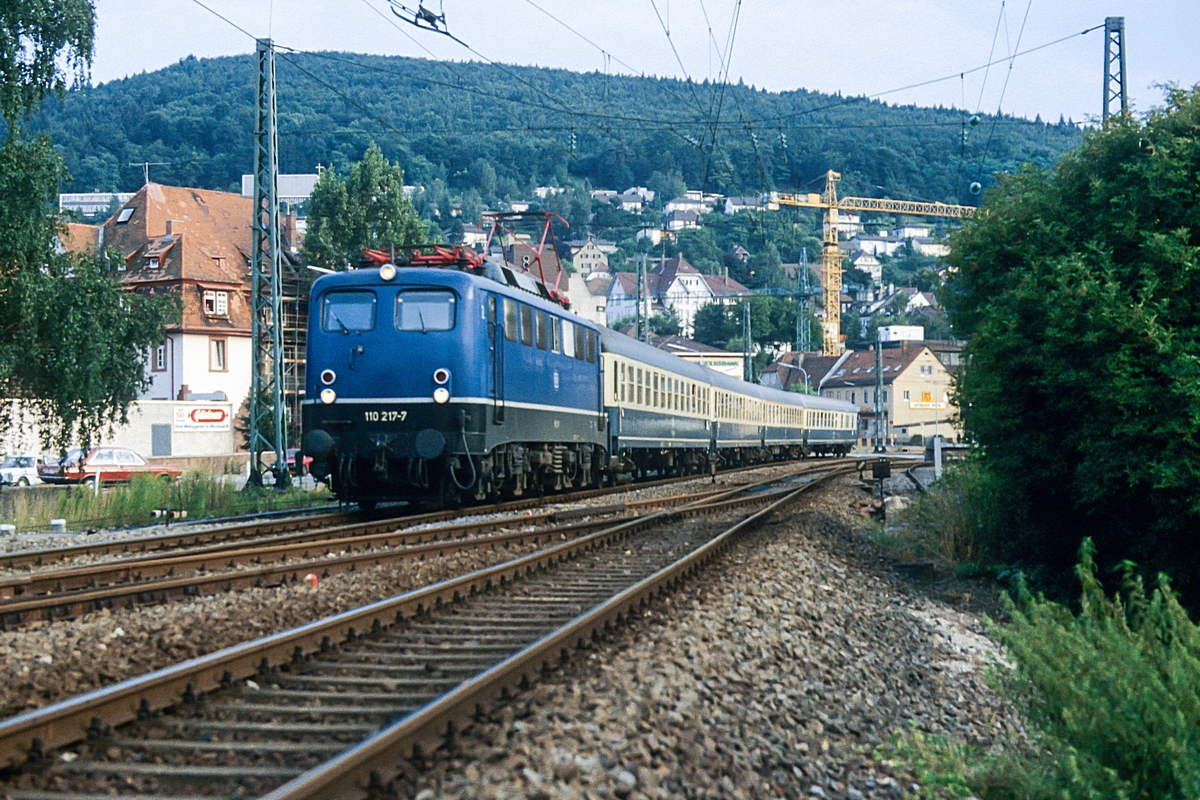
x: 348, y: 311
x: 510, y: 319
x: 543, y: 332
x: 526, y: 325
x: 425, y: 311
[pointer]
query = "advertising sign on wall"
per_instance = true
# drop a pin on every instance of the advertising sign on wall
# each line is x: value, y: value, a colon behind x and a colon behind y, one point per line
x: 201, y: 418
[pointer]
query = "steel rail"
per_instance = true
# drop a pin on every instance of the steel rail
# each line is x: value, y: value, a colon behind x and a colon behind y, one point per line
x: 18, y: 612
x: 232, y: 553
x: 38, y: 731
x: 373, y: 763
x: 144, y: 568
x: 230, y: 535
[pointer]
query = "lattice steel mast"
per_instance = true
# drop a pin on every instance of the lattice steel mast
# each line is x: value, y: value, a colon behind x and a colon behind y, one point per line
x: 266, y: 290
x: 1114, y: 66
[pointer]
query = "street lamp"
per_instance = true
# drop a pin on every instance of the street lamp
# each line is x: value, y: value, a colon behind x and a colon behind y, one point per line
x: 807, y: 390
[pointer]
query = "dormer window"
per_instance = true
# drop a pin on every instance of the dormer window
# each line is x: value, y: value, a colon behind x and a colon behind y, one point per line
x: 151, y: 263
x: 216, y: 304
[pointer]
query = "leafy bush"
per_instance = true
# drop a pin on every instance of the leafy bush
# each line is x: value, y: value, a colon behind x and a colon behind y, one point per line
x: 1083, y: 346
x: 1112, y: 693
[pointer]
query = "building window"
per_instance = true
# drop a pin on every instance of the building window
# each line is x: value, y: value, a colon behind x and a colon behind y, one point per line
x: 216, y: 304
x: 124, y: 216
x: 160, y: 358
x: 906, y: 394
x: 218, y: 355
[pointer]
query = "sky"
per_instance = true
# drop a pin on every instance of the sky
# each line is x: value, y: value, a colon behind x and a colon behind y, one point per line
x: 861, y: 47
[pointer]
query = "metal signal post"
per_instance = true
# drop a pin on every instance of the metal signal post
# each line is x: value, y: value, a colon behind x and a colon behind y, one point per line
x: 266, y: 290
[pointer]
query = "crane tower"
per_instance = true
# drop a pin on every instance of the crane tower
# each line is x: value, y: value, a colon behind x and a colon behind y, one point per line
x: 831, y: 254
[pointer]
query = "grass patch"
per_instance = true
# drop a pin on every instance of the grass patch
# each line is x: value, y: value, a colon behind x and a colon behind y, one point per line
x: 1112, y: 695
x: 951, y: 522
x: 200, y: 494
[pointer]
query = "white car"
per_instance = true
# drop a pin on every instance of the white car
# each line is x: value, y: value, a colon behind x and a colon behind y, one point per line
x: 19, y: 471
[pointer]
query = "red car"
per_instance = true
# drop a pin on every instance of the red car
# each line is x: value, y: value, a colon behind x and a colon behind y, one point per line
x: 114, y: 464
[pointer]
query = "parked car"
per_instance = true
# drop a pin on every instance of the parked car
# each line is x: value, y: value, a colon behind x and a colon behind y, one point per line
x: 305, y: 461
x: 114, y: 464
x: 19, y: 471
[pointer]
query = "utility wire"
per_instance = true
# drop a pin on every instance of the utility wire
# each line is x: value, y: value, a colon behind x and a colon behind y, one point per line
x: 772, y: 121
x: 991, y: 52
x: 1003, y: 89
x: 691, y: 84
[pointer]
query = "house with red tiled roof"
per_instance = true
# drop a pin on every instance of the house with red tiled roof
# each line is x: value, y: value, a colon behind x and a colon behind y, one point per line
x: 796, y: 371
x: 916, y: 390
x: 673, y: 284
x: 194, y: 243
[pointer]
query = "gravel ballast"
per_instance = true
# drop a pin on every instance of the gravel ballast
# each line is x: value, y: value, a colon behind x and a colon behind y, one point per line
x: 50, y: 661
x: 773, y: 674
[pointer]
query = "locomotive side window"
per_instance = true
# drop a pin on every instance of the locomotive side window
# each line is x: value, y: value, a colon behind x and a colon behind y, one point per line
x: 491, y: 317
x: 555, y: 335
x: 526, y: 325
x: 510, y: 319
x: 580, y: 342
x: 425, y: 310
x: 543, y: 330
x: 568, y: 339
x: 348, y: 311
x: 591, y: 347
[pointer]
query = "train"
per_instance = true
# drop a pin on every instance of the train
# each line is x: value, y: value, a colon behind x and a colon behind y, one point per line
x: 474, y: 384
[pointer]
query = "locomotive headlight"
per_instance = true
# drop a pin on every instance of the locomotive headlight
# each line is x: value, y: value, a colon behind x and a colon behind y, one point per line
x: 387, y: 271
x: 441, y: 376
x: 328, y: 396
x: 328, y: 376
x: 441, y: 395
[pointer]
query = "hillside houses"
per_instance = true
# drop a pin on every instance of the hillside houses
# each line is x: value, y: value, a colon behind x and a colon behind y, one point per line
x: 673, y: 284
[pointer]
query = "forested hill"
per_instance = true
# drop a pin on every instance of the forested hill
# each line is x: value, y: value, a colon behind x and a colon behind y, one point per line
x: 533, y: 126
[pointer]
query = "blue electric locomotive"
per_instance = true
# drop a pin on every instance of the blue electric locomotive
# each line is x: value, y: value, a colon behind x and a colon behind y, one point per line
x: 435, y: 382
x: 445, y: 384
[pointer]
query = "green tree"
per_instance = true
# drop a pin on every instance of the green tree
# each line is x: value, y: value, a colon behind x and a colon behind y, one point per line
x: 666, y: 324
x: 714, y: 325
x: 73, y: 343
x: 1076, y: 293
x: 38, y: 38
x: 367, y: 209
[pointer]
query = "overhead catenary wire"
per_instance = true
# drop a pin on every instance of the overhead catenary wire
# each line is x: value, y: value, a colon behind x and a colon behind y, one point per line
x: 773, y: 121
x: 1003, y: 89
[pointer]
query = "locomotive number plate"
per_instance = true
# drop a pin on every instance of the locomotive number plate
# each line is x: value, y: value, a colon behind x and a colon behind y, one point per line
x: 384, y: 416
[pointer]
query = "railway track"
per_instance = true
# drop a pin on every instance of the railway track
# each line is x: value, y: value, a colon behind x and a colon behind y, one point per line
x: 334, y: 707
x: 316, y: 525
x: 65, y: 593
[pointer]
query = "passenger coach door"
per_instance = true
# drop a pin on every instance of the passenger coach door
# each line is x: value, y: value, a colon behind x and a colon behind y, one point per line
x: 495, y: 333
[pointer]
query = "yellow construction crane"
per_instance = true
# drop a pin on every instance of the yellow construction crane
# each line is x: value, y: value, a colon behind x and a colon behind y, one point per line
x: 831, y: 256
